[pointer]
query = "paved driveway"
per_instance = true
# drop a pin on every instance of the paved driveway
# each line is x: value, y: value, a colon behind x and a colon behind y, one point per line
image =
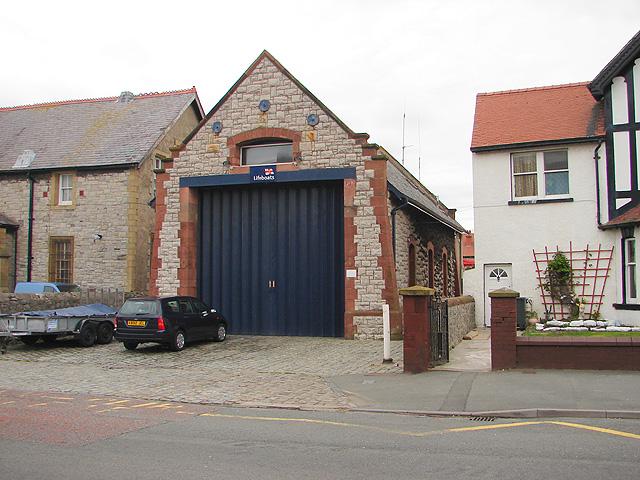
x: 242, y: 371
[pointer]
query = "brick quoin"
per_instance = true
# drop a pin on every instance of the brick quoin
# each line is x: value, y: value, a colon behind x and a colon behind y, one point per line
x: 161, y: 211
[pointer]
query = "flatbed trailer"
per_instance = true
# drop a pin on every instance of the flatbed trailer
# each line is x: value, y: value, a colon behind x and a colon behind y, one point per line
x: 89, y: 324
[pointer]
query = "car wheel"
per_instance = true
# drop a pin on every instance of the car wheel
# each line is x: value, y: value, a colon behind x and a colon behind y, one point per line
x: 87, y: 335
x: 130, y: 345
x: 221, y: 333
x: 30, y: 339
x: 104, y: 333
x: 49, y: 339
x: 178, y: 341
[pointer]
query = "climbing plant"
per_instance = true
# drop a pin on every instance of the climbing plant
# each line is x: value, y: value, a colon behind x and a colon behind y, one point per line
x: 558, y: 278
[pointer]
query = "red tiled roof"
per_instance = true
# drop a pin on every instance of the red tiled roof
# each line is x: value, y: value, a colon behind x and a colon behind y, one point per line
x: 632, y: 217
x: 561, y: 112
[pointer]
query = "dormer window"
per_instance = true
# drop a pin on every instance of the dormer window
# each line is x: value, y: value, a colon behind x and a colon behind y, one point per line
x: 268, y: 152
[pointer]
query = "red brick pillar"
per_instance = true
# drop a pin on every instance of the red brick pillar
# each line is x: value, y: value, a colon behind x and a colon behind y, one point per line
x: 417, y: 328
x: 503, y: 328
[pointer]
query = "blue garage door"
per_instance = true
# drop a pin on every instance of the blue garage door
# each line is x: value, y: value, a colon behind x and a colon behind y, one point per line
x: 271, y: 257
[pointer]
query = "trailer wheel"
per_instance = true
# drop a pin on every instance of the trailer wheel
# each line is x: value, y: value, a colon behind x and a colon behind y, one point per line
x: 30, y: 339
x: 87, y: 335
x: 104, y: 333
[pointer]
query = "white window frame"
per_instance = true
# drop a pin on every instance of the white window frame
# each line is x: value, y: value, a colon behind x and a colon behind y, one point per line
x: 64, y: 188
x: 540, y: 174
x: 631, y: 270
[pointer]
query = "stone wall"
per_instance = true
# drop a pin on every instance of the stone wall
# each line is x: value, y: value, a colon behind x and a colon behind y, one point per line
x: 99, y: 207
x: 426, y: 234
x: 29, y: 302
x: 462, y: 318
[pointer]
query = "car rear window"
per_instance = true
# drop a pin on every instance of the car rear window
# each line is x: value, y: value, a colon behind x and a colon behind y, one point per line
x: 140, y: 307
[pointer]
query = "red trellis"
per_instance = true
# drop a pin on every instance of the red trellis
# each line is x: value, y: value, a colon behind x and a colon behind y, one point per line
x: 590, y: 269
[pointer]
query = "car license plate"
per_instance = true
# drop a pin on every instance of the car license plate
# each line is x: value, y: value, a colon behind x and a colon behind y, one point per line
x: 136, y: 323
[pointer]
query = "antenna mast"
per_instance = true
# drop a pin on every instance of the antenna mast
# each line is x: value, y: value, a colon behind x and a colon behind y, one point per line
x: 419, y: 151
x: 404, y: 116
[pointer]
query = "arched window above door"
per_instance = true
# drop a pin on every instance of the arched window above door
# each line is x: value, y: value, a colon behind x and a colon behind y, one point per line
x: 498, y: 274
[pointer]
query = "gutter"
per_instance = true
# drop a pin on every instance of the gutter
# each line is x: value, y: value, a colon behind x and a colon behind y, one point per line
x: 30, y: 229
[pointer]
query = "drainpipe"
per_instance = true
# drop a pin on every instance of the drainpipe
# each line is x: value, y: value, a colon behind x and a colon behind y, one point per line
x: 596, y: 157
x: 393, y: 226
x: 30, y: 230
x: 15, y: 258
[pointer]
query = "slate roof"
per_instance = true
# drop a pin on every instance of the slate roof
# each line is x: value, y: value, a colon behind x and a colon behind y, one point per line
x: 538, y: 115
x: 90, y: 133
x: 404, y: 185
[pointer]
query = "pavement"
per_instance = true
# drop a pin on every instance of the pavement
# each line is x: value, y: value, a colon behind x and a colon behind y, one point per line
x: 320, y: 374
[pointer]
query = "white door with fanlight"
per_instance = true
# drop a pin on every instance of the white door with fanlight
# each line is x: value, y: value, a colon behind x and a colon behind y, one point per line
x: 496, y: 276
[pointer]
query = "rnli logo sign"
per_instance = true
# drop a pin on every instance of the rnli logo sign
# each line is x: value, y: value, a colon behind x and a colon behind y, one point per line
x: 263, y: 173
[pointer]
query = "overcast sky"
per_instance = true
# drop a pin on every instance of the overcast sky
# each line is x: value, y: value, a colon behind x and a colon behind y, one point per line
x: 370, y: 61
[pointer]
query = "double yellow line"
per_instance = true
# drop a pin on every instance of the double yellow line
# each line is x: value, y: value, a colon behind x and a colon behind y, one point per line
x: 434, y: 432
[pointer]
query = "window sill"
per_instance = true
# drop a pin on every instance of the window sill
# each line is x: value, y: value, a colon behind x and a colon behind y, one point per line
x: 626, y: 306
x: 540, y: 200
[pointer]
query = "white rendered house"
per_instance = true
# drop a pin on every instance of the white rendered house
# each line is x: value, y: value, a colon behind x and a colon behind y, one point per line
x: 556, y: 169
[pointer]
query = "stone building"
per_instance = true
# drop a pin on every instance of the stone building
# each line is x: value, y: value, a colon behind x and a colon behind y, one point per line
x: 277, y: 213
x: 77, y: 186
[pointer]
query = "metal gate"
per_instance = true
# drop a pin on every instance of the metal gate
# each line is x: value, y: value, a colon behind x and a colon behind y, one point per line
x: 439, y: 310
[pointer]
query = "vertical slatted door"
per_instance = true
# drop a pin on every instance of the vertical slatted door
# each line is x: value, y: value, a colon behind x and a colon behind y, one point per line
x: 270, y: 257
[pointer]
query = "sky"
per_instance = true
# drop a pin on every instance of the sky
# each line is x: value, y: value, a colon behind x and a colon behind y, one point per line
x: 404, y: 71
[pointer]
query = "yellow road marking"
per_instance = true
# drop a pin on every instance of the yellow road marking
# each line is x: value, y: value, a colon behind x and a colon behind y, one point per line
x: 435, y: 432
x: 599, y: 429
x: 37, y: 405
x: 7, y: 403
x: 143, y: 405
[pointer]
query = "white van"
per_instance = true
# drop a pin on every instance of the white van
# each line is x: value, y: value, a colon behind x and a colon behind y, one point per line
x: 45, y: 287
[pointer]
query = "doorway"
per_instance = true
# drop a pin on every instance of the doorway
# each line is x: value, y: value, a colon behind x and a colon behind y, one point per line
x: 271, y: 257
x: 496, y: 276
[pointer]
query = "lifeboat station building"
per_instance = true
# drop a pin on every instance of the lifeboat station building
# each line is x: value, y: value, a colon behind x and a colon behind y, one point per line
x: 277, y: 214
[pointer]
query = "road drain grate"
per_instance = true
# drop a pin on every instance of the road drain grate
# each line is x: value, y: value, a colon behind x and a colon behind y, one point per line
x: 482, y: 419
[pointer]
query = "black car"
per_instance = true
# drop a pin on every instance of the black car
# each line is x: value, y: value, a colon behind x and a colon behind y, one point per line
x: 172, y: 321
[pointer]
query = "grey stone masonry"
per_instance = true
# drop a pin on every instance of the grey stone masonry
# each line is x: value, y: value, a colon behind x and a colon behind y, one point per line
x: 326, y: 145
